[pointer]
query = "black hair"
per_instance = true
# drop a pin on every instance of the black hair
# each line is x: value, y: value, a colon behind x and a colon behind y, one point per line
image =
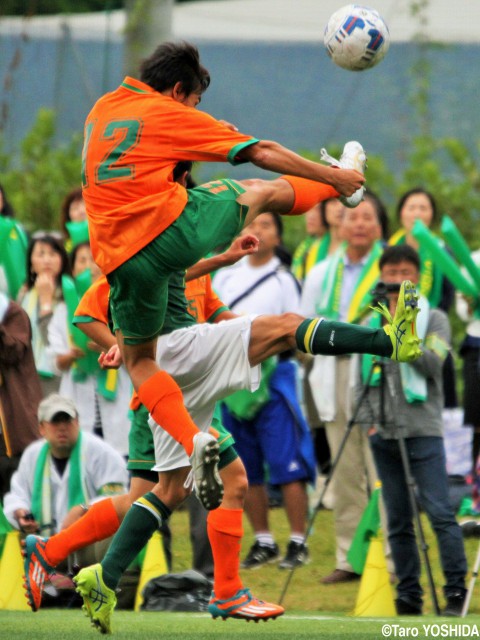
x: 415, y: 191
x: 57, y: 246
x: 75, y: 250
x: 173, y: 62
x: 180, y: 168
x: 323, y: 212
x: 7, y: 209
x: 281, y: 250
x: 284, y: 255
x: 381, y: 211
x: 399, y: 253
x: 278, y: 222
x: 72, y: 196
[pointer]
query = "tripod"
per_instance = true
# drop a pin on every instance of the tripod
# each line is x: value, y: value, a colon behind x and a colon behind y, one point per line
x: 473, y: 579
x: 407, y: 471
x: 351, y: 423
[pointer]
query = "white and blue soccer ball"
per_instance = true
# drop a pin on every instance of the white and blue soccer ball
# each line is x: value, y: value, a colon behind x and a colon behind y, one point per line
x: 356, y: 37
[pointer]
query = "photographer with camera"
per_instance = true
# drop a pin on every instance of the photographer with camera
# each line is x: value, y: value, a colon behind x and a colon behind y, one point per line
x: 338, y: 288
x: 403, y: 408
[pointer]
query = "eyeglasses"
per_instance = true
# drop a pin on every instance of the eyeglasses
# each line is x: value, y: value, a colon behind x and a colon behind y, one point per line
x: 41, y: 234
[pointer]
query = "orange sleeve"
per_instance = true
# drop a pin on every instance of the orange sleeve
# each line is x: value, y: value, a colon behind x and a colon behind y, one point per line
x: 213, y: 304
x: 199, y: 137
x: 94, y: 303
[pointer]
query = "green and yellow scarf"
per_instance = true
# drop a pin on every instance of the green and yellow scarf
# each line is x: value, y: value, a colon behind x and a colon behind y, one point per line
x: 330, y: 295
x: 42, y: 486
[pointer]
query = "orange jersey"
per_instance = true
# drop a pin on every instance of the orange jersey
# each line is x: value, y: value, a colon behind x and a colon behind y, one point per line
x: 134, y: 137
x: 203, y: 303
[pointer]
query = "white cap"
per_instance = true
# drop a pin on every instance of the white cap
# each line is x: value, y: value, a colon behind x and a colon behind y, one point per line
x: 53, y: 404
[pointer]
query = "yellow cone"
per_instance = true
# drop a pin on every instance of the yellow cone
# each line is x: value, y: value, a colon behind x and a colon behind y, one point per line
x: 375, y: 598
x: 154, y: 565
x: 12, y: 596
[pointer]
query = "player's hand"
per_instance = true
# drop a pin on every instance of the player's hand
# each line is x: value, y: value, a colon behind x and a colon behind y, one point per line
x: 229, y: 125
x: 240, y: 247
x: 112, y: 359
x: 346, y: 181
x: 248, y: 243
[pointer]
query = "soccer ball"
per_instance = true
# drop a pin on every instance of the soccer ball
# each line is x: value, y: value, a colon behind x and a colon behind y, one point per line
x: 356, y: 37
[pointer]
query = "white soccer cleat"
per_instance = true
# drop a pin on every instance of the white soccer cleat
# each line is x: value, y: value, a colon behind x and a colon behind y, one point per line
x: 204, y: 460
x: 353, y: 157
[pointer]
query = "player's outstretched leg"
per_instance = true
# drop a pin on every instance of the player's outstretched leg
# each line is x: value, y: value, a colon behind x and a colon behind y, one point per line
x: 353, y: 157
x: 397, y: 340
x: 37, y: 569
x: 204, y: 461
x: 402, y: 328
x: 244, y: 606
x: 98, y: 600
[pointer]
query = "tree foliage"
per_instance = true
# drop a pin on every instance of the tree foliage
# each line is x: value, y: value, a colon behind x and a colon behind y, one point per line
x: 40, y: 7
x: 38, y: 180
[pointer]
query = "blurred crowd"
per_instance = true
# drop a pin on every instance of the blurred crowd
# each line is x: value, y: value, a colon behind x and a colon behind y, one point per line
x: 305, y: 404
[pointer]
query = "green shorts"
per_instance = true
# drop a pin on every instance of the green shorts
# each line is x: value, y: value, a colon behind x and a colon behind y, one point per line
x: 141, y: 451
x: 139, y: 287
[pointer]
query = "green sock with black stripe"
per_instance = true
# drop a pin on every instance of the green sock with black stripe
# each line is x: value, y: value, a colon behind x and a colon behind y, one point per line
x: 330, y: 338
x: 143, y: 518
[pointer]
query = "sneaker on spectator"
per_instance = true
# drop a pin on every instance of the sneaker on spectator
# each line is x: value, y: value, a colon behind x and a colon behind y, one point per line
x: 455, y: 602
x: 408, y: 607
x: 259, y: 555
x: 297, y: 554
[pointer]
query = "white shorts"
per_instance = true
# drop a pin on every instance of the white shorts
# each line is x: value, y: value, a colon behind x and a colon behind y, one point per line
x: 208, y: 362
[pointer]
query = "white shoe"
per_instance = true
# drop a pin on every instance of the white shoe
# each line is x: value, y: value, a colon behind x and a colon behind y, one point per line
x: 353, y: 157
x: 204, y: 460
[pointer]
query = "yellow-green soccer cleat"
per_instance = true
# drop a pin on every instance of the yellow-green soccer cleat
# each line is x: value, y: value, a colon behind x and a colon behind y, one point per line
x: 98, y: 600
x: 402, y: 329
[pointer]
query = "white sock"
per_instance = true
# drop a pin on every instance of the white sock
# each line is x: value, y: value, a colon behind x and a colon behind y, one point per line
x: 265, y: 538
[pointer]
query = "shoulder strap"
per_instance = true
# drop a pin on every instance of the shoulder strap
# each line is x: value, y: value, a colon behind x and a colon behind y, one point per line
x: 252, y: 288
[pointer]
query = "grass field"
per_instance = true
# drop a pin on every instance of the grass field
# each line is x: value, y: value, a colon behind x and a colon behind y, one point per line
x: 305, y: 592
x: 313, y: 610
x: 56, y: 625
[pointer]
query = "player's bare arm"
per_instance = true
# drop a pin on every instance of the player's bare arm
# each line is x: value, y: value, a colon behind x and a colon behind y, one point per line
x: 240, y: 247
x: 99, y: 333
x: 270, y: 155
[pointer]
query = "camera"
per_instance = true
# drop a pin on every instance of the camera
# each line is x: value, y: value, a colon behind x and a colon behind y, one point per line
x: 381, y: 291
x: 470, y: 529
